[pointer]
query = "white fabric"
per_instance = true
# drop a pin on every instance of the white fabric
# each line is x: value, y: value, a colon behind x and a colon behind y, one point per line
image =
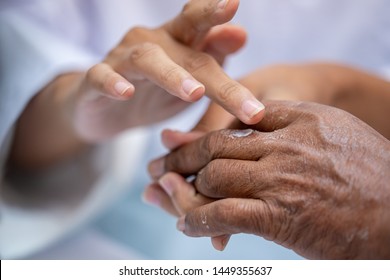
x: 40, y: 39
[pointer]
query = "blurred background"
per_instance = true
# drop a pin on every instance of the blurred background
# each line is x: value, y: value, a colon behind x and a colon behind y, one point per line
x: 279, y: 31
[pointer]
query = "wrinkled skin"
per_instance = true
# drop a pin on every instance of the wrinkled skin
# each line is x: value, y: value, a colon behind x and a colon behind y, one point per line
x: 310, y: 177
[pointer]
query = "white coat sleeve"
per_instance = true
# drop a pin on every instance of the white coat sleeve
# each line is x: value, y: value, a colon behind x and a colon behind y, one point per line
x: 38, y: 209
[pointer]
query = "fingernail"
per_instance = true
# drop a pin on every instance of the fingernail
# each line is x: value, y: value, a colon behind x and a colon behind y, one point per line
x: 156, y: 168
x: 252, y: 107
x: 122, y: 87
x: 221, y: 4
x: 181, y: 224
x: 190, y: 86
x: 167, y: 184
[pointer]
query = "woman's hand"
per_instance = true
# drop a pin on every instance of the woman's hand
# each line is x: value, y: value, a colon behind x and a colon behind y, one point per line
x: 151, y: 72
x: 151, y: 75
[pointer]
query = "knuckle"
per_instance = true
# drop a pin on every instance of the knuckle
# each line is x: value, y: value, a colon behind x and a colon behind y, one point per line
x: 136, y: 33
x: 175, y: 162
x: 185, y: 203
x: 228, y: 91
x: 209, y: 144
x: 187, y: 27
x: 170, y: 74
x: 193, y: 9
x: 172, y: 162
x: 186, y: 8
x: 258, y: 225
x: 137, y: 30
x: 223, y: 209
x: 199, y: 62
x: 100, y: 77
x: 186, y: 13
x: 193, y: 222
x: 116, y: 53
x: 140, y: 51
x: 175, y: 196
x: 206, y: 180
x: 93, y: 72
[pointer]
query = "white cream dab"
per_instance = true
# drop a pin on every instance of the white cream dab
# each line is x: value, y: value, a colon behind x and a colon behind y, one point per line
x: 240, y: 133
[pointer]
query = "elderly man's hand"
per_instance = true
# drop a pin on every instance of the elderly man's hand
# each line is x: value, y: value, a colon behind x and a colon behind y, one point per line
x: 309, y: 177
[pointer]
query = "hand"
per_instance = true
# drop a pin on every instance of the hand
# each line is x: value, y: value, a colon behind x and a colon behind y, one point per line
x: 150, y: 62
x: 130, y: 87
x: 331, y: 84
x: 309, y: 177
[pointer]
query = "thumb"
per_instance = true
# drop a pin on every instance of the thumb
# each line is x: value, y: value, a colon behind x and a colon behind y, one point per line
x: 223, y: 40
x: 198, y: 17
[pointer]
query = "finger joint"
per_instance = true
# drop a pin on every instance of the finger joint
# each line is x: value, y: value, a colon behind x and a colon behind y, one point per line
x: 141, y: 51
x: 199, y: 62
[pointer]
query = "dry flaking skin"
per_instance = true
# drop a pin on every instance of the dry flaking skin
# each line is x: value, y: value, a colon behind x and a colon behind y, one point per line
x: 312, y: 181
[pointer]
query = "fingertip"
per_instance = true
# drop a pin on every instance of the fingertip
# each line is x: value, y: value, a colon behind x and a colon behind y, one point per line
x: 255, y: 119
x: 219, y: 242
x: 168, y: 183
x: 226, y: 9
x: 109, y: 83
x: 253, y: 111
x: 169, y: 139
x: 193, y: 90
x: 216, y: 243
x: 180, y: 225
x: 122, y: 90
x: 156, y: 168
x: 149, y: 196
x: 197, y: 94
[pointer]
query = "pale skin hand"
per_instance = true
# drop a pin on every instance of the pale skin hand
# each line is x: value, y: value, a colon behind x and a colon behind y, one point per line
x: 308, y: 177
x: 143, y: 80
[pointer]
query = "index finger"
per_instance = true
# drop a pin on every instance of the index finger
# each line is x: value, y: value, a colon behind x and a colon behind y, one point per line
x: 190, y: 27
x: 192, y: 157
x: 198, y: 17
